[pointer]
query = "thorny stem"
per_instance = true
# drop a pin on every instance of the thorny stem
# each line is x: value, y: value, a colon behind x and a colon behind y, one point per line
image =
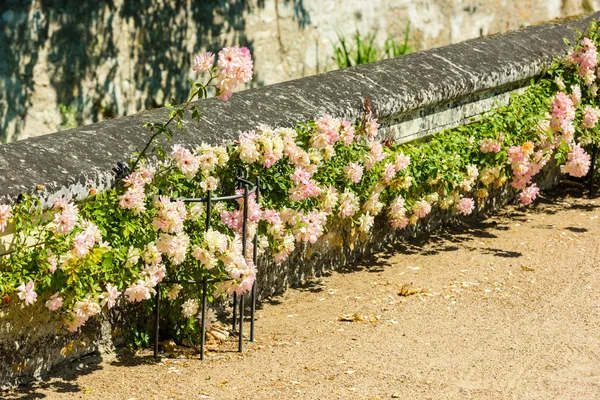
x: 155, y: 135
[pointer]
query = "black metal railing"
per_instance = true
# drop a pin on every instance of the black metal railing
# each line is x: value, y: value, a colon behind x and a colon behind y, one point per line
x: 248, y: 188
x: 592, y: 168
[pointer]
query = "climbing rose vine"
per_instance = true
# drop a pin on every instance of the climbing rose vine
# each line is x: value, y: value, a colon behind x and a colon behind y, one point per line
x: 324, y: 181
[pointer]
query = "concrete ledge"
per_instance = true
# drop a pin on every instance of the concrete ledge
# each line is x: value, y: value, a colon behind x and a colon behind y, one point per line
x: 413, y: 96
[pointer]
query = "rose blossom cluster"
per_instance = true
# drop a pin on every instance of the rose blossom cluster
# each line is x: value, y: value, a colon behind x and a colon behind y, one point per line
x: 203, y: 62
x: 329, y: 131
x: 328, y: 200
x: 349, y: 204
x: 173, y: 246
x: 55, y: 302
x: 134, y: 196
x: 421, y: 208
x: 374, y: 155
x: 82, y: 311
x: 65, y: 216
x: 152, y: 273
x: 563, y: 115
x: 585, y: 58
x: 397, y: 213
x: 465, y: 206
x: 354, y: 172
x: 373, y: 205
x: 578, y: 162
x: 243, y: 276
x: 590, y: 117
x: 488, y: 145
x: 185, y: 161
x: 308, y: 227
x: 26, y: 293
x: 391, y: 169
x: 86, y: 239
x: 266, y: 146
x: 371, y: 127
x: 210, y: 157
x: 470, y: 178
x: 305, y: 186
x: 528, y: 195
x: 365, y: 222
x: 217, y: 247
x: 235, y: 219
x: 5, y: 215
x: 276, y: 228
x: 288, y: 225
x: 170, y: 215
x: 526, y: 163
x: 234, y: 67
x: 204, y: 161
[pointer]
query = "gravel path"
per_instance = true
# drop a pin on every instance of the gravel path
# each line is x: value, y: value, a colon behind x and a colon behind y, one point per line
x: 505, y: 309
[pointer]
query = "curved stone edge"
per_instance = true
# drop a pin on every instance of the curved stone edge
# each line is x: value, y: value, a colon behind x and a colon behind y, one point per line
x: 67, y: 164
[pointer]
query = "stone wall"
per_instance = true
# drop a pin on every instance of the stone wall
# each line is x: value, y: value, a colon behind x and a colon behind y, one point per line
x: 413, y: 96
x: 110, y: 59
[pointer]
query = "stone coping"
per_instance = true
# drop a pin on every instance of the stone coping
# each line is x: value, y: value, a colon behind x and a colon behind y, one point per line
x: 70, y: 162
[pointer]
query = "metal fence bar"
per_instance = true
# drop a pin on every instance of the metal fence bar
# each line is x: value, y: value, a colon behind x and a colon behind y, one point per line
x: 591, y: 173
x: 244, y: 254
x: 156, y: 320
x: 203, y: 339
x: 254, y: 260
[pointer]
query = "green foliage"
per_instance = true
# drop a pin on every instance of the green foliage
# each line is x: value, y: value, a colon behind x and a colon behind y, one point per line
x: 358, y: 50
x: 443, y: 170
x: 395, y: 49
x: 355, y: 51
x: 69, y: 117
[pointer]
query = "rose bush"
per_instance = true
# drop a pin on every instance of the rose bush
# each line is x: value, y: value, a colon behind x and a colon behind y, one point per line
x: 323, y: 180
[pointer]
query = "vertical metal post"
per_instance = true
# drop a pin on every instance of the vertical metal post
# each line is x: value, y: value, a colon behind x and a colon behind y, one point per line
x: 235, y: 300
x: 156, y: 322
x: 204, y: 281
x: 208, y: 208
x: 241, y: 337
x: 591, y: 173
x: 245, y: 223
x: 204, y: 290
x: 255, y: 261
x: 244, y: 254
x: 234, y: 322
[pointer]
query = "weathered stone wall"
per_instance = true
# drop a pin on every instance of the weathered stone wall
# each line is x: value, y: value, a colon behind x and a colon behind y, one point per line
x: 32, y: 340
x: 110, y: 59
x: 413, y: 96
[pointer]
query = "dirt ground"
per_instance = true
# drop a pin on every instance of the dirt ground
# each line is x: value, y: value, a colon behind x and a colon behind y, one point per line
x: 508, y: 308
